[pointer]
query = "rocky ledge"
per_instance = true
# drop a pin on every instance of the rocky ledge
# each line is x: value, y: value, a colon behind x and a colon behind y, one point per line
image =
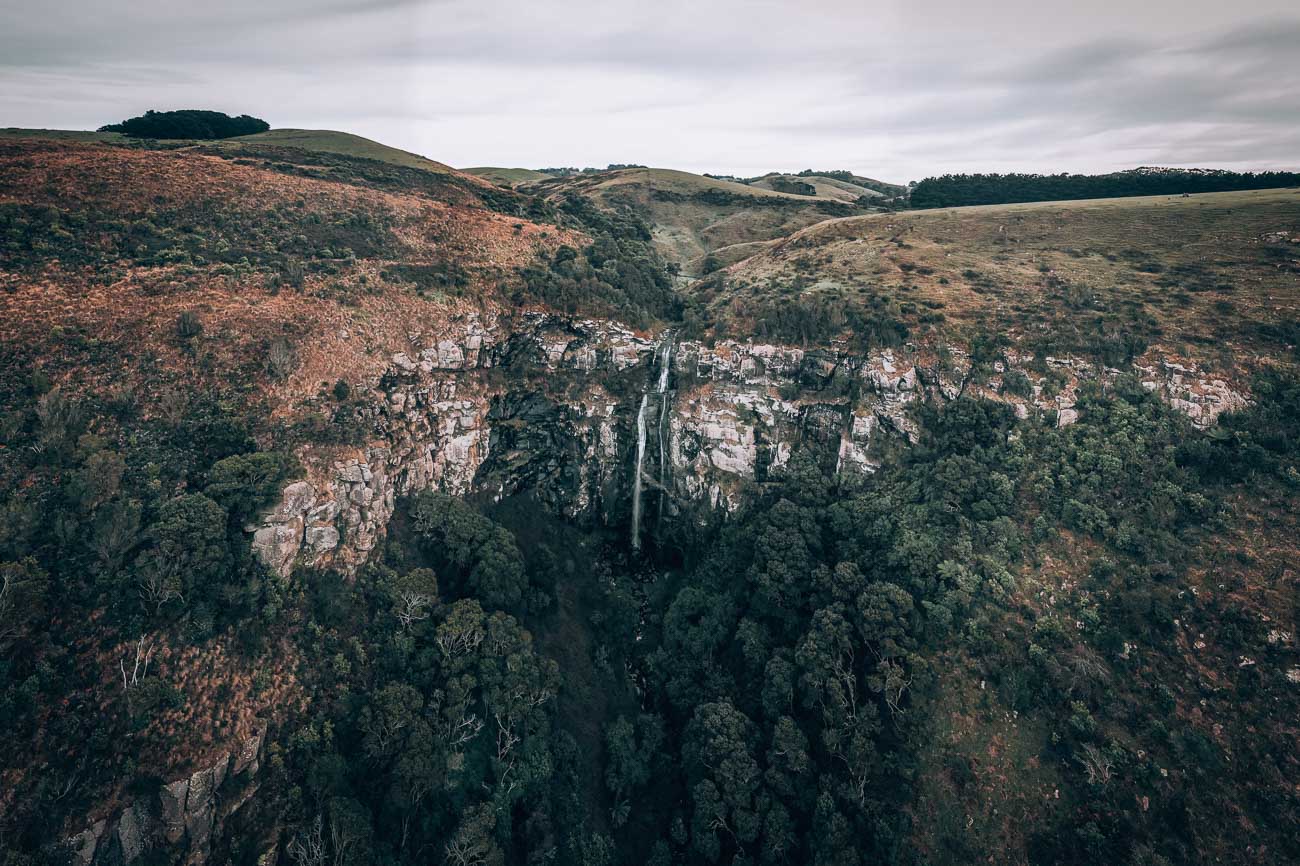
x: 492, y: 406
x: 182, y: 818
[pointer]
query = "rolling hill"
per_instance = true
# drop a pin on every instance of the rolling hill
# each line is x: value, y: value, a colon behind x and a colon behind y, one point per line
x: 310, y: 140
x: 1215, y: 274
x: 507, y: 176
x: 330, y: 141
x: 822, y: 187
x: 836, y: 184
x: 691, y: 215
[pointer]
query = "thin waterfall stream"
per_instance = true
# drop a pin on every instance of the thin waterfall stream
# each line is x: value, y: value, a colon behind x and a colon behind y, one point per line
x: 661, y: 388
x: 665, y: 367
x: 636, y: 475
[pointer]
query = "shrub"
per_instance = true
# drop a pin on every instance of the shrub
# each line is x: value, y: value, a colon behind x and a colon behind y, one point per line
x: 188, y: 326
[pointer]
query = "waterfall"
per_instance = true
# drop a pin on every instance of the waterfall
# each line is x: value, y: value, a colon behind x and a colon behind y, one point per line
x: 636, y: 477
x: 661, y: 388
x: 665, y: 365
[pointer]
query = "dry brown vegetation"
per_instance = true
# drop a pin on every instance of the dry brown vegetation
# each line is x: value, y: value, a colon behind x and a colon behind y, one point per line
x: 692, y: 215
x: 101, y: 323
x: 1212, y: 276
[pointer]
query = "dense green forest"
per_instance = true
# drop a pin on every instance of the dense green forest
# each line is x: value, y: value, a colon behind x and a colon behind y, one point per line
x: 765, y: 696
x: 499, y: 686
x: 958, y: 190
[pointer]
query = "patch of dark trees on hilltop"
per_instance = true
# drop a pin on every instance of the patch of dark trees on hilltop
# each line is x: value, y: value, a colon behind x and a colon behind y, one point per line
x: 957, y: 190
x: 188, y: 123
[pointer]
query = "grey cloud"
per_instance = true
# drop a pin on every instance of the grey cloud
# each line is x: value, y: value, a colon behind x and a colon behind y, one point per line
x: 913, y: 87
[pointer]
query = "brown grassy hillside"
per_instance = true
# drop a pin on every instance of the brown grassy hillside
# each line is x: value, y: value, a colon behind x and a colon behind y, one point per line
x: 105, y: 247
x: 1215, y: 275
x: 692, y: 215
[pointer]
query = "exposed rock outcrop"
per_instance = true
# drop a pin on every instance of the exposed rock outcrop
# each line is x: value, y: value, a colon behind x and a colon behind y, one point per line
x: 491, y: 407
x: 182, y: 818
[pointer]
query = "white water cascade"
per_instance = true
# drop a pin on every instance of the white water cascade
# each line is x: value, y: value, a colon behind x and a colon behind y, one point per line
x: 665, y: 365
x: 661, y: 389
x: 636, y: 476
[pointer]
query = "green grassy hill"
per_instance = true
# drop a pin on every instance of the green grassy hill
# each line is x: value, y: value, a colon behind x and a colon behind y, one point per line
x: 507, y: 176
x: 330, y: 141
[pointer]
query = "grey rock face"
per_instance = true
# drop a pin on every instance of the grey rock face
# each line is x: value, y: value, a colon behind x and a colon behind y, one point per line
x: 172, y: 800
x: 183, y: 818
x: 557, y: 417
x: 84, y: 845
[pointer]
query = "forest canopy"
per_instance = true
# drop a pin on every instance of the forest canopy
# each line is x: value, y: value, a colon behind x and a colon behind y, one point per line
x: 188, y: 123
x: 957, y: 190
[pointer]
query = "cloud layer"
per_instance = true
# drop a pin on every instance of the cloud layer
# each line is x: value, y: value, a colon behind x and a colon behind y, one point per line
x: 894, y: 90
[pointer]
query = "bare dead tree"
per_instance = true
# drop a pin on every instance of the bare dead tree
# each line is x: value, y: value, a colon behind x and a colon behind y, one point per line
x: 20, y: 593
x: 279, y: 359
x: 472, y: 843
x: 463, y: 730
x: 308, y: 846
x: 172, y: 405
x: 507, y: 739
x: 412, y: 606
x: 1098, y: 764
x: 893, y: 684
x: 140, y: 668
x: 457, y: 641
x: 159, y: 583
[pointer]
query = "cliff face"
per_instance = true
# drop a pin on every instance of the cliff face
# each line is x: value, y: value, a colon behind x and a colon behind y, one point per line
x: 493, y: 406
x: 183, y: 817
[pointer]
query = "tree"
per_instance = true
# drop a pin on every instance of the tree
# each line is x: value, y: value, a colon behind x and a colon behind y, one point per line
x: 413, y: 595
x: 99, y: 479
x: 475, y: 554
x: 391, y: 712
x: 827, y: 655
x: 350, y: 831
x: 462, y: 631
x: 307, y: 848
x: 716, y: 753
x: 472, y: 843
x: 516, y: 683
x: 884, y: 616
x: 23, y: 587
x: 244, y: 484
x: 188, y: 326
x: 630, y: 751
x: 61, y: 418
x: 116, y: 532
x: 190, y: 554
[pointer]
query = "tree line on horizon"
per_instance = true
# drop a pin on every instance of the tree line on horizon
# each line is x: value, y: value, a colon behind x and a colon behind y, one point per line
x: 956, y: 190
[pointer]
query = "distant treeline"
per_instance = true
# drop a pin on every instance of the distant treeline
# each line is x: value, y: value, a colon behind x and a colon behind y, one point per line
x: 188, y: 123
x: 570, y: 171
x: 955, y: 190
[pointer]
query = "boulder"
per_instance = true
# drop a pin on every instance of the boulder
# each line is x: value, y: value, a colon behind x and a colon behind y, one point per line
x: 172, y: 799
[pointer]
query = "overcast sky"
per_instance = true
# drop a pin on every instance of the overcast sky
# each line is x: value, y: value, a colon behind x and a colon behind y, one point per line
x: 894, y: 90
